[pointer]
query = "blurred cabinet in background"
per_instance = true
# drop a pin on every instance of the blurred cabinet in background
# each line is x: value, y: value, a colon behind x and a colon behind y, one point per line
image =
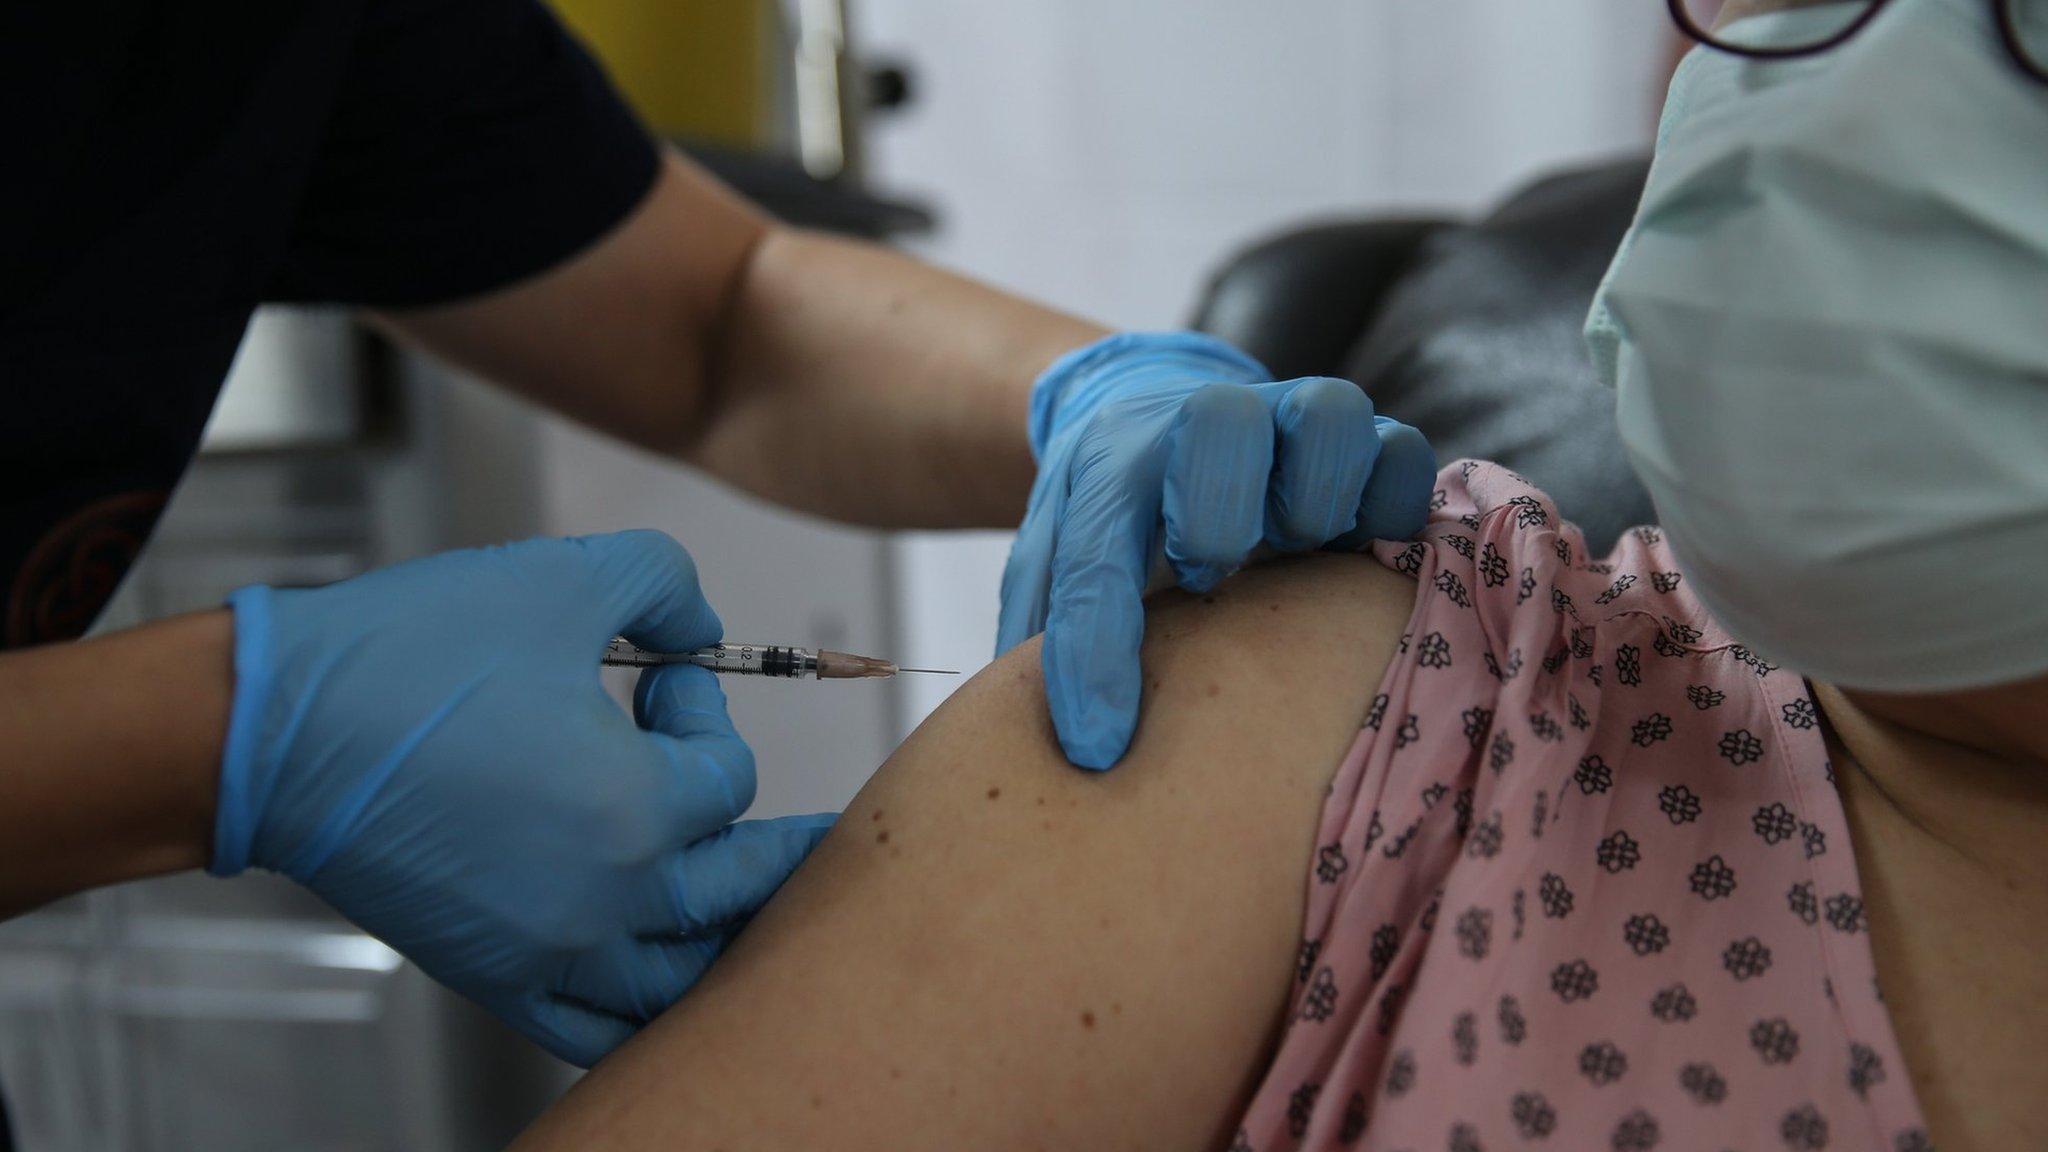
x: 767, y: 94
x: 698, y: 70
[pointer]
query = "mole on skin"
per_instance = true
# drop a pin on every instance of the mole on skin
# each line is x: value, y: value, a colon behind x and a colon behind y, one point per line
x: 994, y: 792
x: 1214, y: 689
x: 877, y: 815
x: 882, y: 837
x: 1087, y: 1019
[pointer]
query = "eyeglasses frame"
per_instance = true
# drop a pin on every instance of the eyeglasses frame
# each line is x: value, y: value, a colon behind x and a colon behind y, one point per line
x: 2008, y: 31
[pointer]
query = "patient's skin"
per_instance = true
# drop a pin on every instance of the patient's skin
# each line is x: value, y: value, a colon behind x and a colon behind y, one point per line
x: 995, y: 950
x: 1947, y: 799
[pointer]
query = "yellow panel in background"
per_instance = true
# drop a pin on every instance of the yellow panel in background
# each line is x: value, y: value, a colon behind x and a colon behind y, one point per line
x: 695, y: 69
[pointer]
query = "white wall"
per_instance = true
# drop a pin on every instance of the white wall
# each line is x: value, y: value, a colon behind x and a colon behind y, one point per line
x: 1106, y: 154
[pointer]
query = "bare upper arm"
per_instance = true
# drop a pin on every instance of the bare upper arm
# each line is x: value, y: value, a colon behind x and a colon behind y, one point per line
x: 996, y: 950
x: 618, y: 336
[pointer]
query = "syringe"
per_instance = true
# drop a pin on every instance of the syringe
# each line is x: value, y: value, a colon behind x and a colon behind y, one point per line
x: 782, y: 660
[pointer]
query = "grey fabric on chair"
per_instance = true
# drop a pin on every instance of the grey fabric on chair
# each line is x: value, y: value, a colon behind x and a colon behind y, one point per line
x: 1299, y: 300
x: 1469, y: 332
x: 1479, y: 346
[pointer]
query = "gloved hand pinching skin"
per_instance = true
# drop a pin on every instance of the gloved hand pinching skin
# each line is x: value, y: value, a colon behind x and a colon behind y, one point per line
x: 429, y: 749
x: 1178, y: 439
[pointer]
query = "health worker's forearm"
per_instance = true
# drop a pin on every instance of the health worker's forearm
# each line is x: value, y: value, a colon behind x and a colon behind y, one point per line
x: 828, y: 375
x: 110, y: 756
x: 859, y: 384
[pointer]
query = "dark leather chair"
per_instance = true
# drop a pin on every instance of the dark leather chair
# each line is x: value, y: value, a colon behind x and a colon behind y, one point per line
x: 1469, y: 331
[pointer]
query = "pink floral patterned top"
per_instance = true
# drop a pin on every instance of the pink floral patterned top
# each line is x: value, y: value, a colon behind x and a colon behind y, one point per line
x: 1584, y: 880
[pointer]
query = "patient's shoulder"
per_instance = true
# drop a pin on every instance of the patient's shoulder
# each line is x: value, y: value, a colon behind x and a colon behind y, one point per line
x: 1279, y: 664
x: 1066, y: 958
x: 1254, y: 693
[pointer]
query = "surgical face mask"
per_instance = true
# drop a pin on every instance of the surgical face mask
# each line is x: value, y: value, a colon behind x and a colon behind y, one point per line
x: 1828, y: 331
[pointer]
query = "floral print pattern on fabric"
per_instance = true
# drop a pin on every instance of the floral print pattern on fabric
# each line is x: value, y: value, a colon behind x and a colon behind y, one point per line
x: 1585, y: 877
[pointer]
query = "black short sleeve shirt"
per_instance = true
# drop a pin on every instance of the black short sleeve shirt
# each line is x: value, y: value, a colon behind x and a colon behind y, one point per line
x: 170, y: 164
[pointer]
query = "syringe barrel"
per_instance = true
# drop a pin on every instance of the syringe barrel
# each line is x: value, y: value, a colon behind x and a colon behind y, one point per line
x: 622, y: 653
x: 757, y: 660
x: 784, y: 661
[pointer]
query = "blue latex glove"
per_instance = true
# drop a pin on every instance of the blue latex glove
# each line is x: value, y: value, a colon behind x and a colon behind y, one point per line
x: 428, y: 748
x: 1177, y: 437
